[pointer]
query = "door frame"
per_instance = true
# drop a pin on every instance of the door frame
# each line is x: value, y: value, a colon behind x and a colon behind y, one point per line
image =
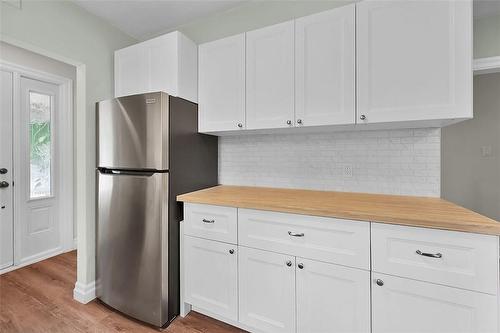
x: 65, y: 130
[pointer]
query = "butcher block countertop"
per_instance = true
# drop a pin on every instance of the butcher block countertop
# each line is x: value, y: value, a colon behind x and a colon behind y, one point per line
x: 392, y: 209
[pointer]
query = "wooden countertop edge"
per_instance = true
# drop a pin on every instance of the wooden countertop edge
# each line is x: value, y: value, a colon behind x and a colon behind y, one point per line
x: 487, y: 228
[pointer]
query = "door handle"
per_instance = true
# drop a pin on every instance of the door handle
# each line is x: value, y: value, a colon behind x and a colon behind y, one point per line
x: 4, y: 184
x: 296, y: 234
x: 3, y: 171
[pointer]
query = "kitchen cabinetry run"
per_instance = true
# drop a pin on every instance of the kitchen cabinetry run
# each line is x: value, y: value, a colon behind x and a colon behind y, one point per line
x: 368, y: 65
x: 168, y: 63
x: 295, y: 273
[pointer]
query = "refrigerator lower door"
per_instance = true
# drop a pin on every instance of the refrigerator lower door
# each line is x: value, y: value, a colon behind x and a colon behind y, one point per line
x: 132, y: 256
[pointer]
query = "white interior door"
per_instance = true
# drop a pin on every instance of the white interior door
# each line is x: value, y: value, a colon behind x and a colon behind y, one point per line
x: 6, y: 199
x: 36, y: 195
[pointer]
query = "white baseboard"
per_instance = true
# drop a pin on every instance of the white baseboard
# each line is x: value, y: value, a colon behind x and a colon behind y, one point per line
x: 32, y: 259
x: 84, y: 293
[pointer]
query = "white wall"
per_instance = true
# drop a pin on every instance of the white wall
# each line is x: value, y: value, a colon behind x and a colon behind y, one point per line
x: 393, y: 162
x: 64, y: 30
x: 20, y: 56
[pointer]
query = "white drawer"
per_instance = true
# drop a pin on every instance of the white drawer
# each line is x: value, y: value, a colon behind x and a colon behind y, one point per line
x: 458, y: 259
x: 332, y: 240
x: 211, y: 222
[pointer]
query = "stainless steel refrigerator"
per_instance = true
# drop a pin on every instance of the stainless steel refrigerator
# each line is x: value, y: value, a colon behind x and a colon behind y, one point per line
x: 148, y: 152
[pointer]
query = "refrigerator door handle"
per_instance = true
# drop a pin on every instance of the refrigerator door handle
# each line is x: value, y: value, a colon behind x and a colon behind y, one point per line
x: 113, y: 172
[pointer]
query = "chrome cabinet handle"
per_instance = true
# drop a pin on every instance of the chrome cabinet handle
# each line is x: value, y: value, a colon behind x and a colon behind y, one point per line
x: 362, y: 117
x: 379, y: 282
x: 231, y: 251
x: 296, y: 234
x: 301, y: 266
x: 3, y: 171
x: 288, y: 263
x: 240, y: 125
x: 288, y: 122
x: 4, y: 184
x: 299, y: 121
x: 208, y: 221
x: 431, y: 255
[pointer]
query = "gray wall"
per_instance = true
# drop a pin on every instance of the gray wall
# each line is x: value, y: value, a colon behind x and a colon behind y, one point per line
x: 469, y: 177
x: 487, y: 36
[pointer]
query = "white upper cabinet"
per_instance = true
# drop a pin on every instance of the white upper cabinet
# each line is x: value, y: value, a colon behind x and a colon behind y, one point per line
x: 325, y: 68
x: 222, y: 84
x: 414, y: 60
x: 270, y: 77
x: 167, y: 63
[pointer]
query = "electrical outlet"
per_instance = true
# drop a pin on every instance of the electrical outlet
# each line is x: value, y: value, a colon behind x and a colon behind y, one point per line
x: 348, y: 171
x: 486, y: 151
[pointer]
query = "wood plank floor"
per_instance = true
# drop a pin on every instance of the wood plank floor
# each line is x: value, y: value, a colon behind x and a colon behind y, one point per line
x: 39, y: 298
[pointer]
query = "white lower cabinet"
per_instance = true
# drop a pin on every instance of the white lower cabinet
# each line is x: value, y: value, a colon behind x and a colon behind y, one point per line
x: 267, y: 290
x: 287, y: 273
x: 402, y: 305
x: 332, y: 298
x: 211, y: 276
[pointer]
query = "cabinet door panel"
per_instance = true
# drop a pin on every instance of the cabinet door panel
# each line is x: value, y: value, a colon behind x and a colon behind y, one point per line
x: 131, y: 71
x: 222, y: 84
x: 161, y: 56
x: 211, y: 276
x: 414, y: 60
x: 332, y: 298
x: 324, y: 68
x: 267, y: 290
x: 408, y: 306
x: 270, y: 76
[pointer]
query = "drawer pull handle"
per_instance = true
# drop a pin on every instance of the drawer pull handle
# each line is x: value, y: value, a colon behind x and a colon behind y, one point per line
x: 208, y: 221
x: 432, y: 255
x: 296, y: 234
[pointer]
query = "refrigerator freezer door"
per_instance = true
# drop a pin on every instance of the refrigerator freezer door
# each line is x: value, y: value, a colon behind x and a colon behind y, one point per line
x: 131, y: 244
x: 133, y: 132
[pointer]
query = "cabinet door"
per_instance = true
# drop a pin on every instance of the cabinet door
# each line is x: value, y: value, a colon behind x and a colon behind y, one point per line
x: 222, y: 84
x: 161, y: 57
x: 211, y: 276
x: 270, y: 77
x: 267, y: 290
x: 131, y: 71
x: 402, y: 305
x: 414, y: 60
x: 332, y: 298
x: 325, y: 68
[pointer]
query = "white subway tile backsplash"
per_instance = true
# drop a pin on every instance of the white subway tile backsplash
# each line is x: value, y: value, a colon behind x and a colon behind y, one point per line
x: 403, y: 162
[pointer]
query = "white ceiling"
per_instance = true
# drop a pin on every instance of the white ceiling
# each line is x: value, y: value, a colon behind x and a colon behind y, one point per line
x: 143, y: 19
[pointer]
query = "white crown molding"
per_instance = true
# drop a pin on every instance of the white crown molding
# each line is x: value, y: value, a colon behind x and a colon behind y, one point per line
x: 84, y: 293
x: 486, y: 65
